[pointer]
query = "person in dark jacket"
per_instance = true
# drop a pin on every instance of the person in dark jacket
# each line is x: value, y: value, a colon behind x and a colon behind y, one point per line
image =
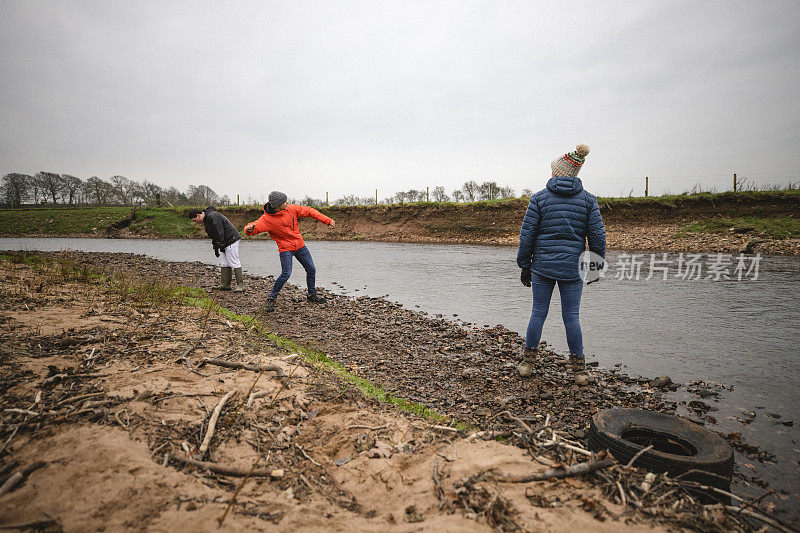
x: 559, y: 221
x: 225, y: 239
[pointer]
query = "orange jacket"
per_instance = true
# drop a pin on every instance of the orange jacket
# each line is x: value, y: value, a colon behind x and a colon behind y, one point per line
x: 283, y: 227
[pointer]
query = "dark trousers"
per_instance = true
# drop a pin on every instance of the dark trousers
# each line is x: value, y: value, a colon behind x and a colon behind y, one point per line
x: 304, y: 256
x: 570, y: 307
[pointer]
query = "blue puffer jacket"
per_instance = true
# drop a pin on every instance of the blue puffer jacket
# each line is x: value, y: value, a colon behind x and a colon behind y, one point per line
x: 556, y: 226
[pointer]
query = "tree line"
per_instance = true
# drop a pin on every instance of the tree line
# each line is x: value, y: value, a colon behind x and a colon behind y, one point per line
x: 65, y: 189
x: 50, y: 188
x: 470, y: 191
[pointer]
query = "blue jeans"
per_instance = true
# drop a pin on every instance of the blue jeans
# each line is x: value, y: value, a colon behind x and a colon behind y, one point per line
x: 570, y: 305
x: 304, y: 256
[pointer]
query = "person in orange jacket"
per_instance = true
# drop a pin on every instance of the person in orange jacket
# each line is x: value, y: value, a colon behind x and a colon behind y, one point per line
x: 280, y: 221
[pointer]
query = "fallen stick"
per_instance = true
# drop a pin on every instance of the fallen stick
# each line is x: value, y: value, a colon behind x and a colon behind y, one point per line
x: 560, y: 473
x: 212, y: 424
x: 551, y: 443
x: 242, y: 366
x: 438, y: 483
x: 375, y: 428
x: 301, y: 450
x: 751, y: 514
x: 445, y: 428
x: 15, y: 478
x: 78, y: 398
x: 22, y: 412
x: 19, y: 475
x: 638, y: 454
x: 256, y: 395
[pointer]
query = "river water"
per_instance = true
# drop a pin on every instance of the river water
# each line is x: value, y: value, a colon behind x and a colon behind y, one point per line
x: 742, y: 334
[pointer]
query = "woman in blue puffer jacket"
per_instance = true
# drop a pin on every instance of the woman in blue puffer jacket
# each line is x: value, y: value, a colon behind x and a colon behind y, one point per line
x: 559, y: 220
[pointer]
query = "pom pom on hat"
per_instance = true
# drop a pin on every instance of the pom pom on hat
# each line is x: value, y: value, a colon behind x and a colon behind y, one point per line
x: 568, y: 165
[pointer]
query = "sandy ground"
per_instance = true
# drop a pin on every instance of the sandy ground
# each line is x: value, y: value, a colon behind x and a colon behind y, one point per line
x: 102, y: 371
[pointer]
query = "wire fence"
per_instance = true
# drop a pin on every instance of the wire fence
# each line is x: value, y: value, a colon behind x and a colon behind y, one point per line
x: 602, y: 186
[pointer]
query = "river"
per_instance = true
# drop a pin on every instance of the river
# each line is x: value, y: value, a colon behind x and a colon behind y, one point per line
x: 742, y: 334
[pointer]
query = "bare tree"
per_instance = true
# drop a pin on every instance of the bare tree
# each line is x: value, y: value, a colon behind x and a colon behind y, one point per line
x: 201, y: 195
x: 470, y: 189
x: 527, y: 192
x: 151, y: 193
x: 506, y: 192
x: 120, y: 186
x: 439, y: 195
x: 458, y: 195
x: 51, y: 183
x: 173, y: 196
x: 15, y: 188
x: 488, y: 190
x: 98, y: 191
x: 70, y: 186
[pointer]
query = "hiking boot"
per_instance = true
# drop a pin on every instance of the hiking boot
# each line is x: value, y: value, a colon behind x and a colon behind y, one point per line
x: 225, y: 275
x: 315, y: 298
x: 239, y: 280
x: 269, y: 305
x: 525, y: 368
x: 579, y: 372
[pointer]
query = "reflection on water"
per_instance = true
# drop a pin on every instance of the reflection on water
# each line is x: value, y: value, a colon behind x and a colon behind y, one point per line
x: 739, y: 333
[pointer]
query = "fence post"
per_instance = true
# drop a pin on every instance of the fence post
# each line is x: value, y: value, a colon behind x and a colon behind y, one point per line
x: 326, y: 198
x: 490, y: 191
x: 376, y: 196
x: 427, y: 194
x: 646, y: 186
x: 734, y: 182
x: 237, y: 199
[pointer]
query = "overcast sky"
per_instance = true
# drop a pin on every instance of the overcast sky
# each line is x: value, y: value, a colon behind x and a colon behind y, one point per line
x: 346, y: 97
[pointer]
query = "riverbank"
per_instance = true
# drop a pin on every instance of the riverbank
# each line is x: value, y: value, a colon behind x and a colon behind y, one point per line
x: 749, y: 222
x: 101, y: 324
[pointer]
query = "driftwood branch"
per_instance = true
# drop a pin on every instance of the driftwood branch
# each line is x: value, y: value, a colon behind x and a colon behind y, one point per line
x: 212, y: 424
x: 243, y: 366
x: 752, y: 514
x: 559, y: 473
x: 224, y: 470
x: 438, y: 482
x: 18, y: 476
x: 639, y: 454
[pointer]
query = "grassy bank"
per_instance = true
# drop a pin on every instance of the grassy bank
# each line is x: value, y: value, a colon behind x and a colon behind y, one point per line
x: 96, y: 221
x: 711, y: 222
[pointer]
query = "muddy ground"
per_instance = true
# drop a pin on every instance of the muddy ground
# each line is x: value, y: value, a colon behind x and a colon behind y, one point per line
x: 102, y: 392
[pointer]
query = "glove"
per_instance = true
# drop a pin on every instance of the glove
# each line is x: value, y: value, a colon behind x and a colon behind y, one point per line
x: 590, y: 282
x: 525, y: 277
x: 216, y: 251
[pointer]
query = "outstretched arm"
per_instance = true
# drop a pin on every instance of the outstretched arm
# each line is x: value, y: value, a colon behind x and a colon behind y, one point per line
x: 527, y: 234
x: 310, y: 212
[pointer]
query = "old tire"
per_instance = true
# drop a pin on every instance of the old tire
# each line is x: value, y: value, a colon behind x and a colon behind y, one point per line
x: 679, y: 445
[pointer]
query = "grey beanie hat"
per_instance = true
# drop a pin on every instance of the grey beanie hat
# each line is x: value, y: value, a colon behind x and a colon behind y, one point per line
x: 277, y: 198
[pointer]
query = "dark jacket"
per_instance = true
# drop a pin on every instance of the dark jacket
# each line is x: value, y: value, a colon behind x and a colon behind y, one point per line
x: 557, y: 224
x: 219, y: 228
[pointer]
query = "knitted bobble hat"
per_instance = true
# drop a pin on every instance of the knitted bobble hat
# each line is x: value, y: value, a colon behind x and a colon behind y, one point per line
x: 568, y: 165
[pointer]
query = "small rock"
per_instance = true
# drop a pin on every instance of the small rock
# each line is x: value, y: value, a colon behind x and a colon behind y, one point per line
x: 661, y: 382
x: 774, y: 415
x: 787, y: 423
x: 278, y: 473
